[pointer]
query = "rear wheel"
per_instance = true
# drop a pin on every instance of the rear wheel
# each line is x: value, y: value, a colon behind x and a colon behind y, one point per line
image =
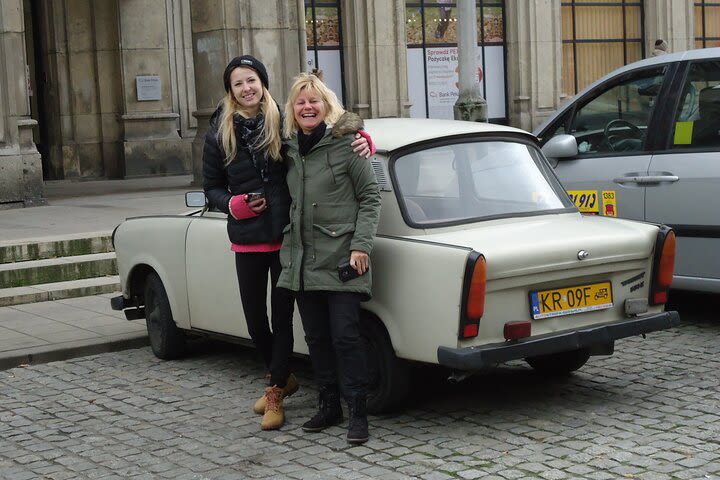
x: 559, y: 363
x: 166, y: 339
x: 388, y: 381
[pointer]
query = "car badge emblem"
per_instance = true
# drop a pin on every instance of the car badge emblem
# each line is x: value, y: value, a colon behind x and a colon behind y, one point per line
x: 582, y: 255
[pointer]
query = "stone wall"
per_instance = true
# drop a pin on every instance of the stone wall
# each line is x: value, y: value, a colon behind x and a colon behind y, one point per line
x: 20, y: 163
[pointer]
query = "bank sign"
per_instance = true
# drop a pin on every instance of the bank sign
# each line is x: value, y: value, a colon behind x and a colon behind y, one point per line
x: 433, y: 81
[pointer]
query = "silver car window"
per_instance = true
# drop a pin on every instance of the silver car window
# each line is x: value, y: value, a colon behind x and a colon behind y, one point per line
x: 467, y: 181
x: 697, y: 120
x: 615, y: 117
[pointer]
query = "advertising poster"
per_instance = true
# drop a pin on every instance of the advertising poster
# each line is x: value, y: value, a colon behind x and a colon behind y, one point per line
x: 441, y: 89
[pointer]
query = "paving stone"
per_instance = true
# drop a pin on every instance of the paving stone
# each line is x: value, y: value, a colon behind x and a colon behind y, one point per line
x: 649, y: 411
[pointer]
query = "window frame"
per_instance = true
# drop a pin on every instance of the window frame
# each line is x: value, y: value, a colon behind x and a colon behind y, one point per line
x: 657, y: 129
x: 703, y: 38
x: 574, y: 41
x: 543, y: 166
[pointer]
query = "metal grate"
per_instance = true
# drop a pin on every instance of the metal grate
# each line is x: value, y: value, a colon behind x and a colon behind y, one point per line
x: 381, y: 175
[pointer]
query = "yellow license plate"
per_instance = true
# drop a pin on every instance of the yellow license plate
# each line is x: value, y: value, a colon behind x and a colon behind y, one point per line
x: 585, y: 200
x: 570, y: 300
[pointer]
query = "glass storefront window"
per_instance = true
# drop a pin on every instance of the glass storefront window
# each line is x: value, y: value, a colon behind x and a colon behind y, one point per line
x: 598, y: 37
x: 707, y: 23
x: 431, y: 36
x: 324, y: 42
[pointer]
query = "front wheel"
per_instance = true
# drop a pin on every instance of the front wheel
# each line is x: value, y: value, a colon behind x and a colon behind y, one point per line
x: 166, y: 339
x: 388, y: 381
x: 560, y: 363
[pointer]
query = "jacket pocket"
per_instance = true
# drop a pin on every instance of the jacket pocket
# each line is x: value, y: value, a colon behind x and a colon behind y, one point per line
x: 331, y: 244
x: 335, y: 213
x: 286, y: 251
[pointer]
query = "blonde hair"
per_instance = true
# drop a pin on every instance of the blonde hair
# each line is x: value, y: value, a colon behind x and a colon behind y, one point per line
x: 311, y: 83
x: 271, y: 129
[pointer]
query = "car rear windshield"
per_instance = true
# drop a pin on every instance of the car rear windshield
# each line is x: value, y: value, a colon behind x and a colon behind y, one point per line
x: 460, y: 182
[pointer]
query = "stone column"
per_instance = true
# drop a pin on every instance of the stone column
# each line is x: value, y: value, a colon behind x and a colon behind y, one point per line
x: 375, y: 58
x: 671, y: 20
x: 20, y: 163
x: 150, y: 124
x: 224, y: 29
x: 534, y: 57
x: 470, y: 104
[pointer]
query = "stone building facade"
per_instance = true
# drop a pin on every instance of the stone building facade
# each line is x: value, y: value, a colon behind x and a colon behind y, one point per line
x: 125, y: 88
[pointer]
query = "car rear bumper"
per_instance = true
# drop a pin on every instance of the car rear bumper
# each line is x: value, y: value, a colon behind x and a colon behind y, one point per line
x: 475, y: 358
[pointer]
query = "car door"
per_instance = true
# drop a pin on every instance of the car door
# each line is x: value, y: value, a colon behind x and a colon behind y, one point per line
x: 688, y: 177
x: 611, y: 124
x: 213, y: 295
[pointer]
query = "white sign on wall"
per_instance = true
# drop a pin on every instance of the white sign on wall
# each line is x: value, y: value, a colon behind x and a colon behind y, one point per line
x: 148, y: 88
x: 441, y: 64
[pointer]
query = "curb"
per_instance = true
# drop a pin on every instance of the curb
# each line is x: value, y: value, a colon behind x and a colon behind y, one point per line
x: 54, y: 353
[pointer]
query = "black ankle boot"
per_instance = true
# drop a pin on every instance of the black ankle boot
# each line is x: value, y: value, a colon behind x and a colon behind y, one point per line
x: 358, y: 424
x: 329, y: 411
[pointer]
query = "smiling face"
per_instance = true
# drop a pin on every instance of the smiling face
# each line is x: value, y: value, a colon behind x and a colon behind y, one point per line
x: 309, y: 110
x: 247, y: 89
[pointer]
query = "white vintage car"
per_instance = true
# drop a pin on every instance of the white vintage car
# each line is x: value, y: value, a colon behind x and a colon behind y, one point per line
x: 480, y: 258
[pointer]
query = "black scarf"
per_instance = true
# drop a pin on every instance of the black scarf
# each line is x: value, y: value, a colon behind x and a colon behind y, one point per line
x: 307, y: 142
x: 248, y: 132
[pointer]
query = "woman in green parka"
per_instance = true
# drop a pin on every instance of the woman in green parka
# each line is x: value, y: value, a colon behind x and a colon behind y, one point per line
x: 334, y: 215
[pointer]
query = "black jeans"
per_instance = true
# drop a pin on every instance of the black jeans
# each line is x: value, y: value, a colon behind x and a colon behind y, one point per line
x: 332, y: 332
x: 275, y: 347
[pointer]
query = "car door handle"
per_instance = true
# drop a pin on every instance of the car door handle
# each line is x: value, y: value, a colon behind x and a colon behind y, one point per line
x: 647, y: 179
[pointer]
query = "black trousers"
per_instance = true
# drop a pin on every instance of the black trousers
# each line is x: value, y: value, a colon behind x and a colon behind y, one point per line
x: 275, y: 347
x: 332, y: 332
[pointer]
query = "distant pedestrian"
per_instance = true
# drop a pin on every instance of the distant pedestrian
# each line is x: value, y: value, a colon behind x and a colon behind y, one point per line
x: 661, y: 48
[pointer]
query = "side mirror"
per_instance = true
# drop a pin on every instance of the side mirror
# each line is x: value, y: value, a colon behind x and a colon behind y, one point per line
x: 561, y: 146
x: 195, y: 199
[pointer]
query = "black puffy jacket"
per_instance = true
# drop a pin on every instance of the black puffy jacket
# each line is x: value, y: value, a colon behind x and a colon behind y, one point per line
x: 221, y: 182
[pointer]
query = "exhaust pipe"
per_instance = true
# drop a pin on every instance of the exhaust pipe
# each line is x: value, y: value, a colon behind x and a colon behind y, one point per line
x: 457, y: 376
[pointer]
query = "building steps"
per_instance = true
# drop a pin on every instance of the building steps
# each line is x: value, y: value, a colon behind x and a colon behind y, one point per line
x: 37, y: 271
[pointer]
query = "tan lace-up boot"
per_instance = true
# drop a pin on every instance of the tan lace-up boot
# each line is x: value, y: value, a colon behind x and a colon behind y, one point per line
x: 290, y: 387
x: 274, y: 416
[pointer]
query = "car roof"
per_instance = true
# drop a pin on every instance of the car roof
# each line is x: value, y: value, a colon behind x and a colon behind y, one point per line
x: 389, y: 134
x: 698, y: 54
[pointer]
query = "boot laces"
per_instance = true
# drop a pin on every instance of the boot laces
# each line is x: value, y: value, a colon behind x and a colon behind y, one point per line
x: 273, y: 398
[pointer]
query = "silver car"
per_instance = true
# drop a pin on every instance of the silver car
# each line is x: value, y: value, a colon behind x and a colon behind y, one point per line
x: 644, y: 143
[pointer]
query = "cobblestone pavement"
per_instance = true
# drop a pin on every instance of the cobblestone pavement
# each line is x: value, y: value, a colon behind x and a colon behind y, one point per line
x: 651, y: 411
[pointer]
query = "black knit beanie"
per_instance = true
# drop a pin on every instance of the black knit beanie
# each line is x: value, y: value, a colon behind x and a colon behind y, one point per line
x: 245, y: 61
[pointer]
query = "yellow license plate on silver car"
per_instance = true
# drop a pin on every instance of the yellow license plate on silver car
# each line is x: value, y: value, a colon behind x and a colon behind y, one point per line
x: 570, y: 300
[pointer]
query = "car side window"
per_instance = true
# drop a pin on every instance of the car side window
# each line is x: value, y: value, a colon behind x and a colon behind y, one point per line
x: 697, y: 119
x: 615, y: 118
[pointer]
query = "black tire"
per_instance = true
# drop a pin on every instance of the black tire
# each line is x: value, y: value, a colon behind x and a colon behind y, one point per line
x: 560, y: 363
x: 166, y: 339
x: 388, y: 381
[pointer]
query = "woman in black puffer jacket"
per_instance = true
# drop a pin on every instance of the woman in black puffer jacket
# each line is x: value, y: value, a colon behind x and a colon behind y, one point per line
x: 244, y: 176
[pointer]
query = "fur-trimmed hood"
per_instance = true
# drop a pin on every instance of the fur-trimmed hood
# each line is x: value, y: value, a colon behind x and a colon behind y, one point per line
x: 348, y: 123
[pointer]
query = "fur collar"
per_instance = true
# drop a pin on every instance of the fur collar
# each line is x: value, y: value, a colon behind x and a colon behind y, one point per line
x: 348, y: 123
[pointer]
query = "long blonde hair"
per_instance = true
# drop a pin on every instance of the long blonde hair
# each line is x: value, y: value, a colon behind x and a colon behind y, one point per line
x: 270, y: 133
x: 311, y: 83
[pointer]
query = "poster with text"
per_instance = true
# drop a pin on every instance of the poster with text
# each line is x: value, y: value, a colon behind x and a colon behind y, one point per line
x: 441, y: 88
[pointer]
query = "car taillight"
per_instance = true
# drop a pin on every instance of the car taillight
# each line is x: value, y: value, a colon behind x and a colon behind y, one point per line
x: 663, y: 265
x: 473, y: 302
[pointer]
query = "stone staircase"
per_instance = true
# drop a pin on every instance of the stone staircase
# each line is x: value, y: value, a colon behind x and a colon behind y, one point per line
x: 73, y: 266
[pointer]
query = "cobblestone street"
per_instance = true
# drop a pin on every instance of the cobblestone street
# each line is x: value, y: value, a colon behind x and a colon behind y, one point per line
x: 651, y: 411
